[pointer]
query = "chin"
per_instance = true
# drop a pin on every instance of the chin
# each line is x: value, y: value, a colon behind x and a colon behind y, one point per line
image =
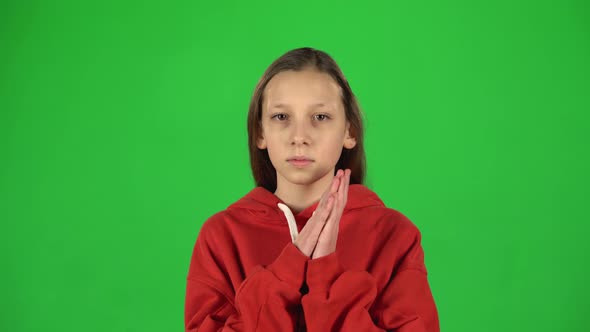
x: 302, y: 177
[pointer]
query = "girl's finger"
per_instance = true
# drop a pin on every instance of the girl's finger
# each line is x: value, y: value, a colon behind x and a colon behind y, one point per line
x: 341, y: 188
x: 347, y: 186
x: 332, y: 221
x: 325, y: 212
x: 335, y: 183
x: 327, y: 193
x: 339, y: 201
x: 333, y: 188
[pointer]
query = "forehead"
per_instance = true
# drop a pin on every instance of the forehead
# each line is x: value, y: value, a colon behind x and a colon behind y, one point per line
x: 307, y: 86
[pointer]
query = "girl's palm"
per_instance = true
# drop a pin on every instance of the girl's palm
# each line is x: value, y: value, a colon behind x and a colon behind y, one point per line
x: 326, y: 243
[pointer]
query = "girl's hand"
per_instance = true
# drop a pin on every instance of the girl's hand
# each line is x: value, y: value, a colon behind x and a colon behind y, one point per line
x: 308, y: 237
x: 327, y: 240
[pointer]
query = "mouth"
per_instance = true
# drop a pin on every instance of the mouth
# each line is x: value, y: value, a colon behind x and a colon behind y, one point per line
x: 299, y: 161
x: 300, y: 158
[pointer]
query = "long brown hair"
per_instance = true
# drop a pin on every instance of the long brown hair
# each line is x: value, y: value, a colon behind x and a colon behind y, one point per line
x: 299, y: 59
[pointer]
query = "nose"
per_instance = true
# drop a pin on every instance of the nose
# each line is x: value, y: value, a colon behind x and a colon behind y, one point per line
x: 300, y: 133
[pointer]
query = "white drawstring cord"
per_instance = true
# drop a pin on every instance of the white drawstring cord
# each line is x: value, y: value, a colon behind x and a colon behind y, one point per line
x: 290, y: 220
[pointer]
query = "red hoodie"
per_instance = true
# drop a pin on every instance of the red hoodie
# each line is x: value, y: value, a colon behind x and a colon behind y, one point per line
x: 246, y: 274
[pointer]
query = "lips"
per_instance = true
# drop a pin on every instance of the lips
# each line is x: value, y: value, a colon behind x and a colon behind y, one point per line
x: 300, y: 161
x: 300, y: 158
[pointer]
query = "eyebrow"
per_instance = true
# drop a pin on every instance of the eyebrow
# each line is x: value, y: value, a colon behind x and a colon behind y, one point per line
x: 281, y: 105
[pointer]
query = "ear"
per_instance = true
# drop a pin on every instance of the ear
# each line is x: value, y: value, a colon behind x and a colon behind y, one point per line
x: 349, y: 141
x: 261, y: 143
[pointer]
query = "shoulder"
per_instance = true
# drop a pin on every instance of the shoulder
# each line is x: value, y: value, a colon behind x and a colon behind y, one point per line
x: 400, y: 239
x: 397, y: 228
x: 215, y: 226
x: 392, y: 219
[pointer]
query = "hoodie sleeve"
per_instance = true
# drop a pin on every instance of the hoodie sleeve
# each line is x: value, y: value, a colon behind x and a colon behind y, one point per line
x: 346, y: 300
x: 267, y: 299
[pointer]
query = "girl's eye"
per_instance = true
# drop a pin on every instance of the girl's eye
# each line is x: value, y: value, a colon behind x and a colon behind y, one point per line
x: 280, y: 116
x: 324, y: 117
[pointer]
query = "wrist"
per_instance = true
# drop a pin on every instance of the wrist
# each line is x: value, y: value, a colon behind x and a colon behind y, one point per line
x: 323, y: 271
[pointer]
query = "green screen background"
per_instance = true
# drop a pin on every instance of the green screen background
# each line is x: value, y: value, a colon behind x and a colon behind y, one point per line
x: 123, y: 128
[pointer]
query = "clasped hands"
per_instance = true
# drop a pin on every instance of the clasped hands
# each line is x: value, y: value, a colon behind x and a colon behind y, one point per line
x: 319, y: 235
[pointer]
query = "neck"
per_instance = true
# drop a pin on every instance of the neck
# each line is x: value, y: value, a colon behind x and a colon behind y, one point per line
x: 299, y: 196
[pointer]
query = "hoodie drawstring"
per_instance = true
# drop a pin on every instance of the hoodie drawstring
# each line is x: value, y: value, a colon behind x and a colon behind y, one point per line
x: 290, y: 220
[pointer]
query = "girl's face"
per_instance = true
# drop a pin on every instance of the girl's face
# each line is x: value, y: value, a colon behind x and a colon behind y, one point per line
x: 303, y: 116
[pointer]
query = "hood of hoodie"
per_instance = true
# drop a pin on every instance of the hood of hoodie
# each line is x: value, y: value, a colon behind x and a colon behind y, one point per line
x: 263, y: 205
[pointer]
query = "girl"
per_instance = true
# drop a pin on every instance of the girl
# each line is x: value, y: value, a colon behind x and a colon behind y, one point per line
x: 310, y: 248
